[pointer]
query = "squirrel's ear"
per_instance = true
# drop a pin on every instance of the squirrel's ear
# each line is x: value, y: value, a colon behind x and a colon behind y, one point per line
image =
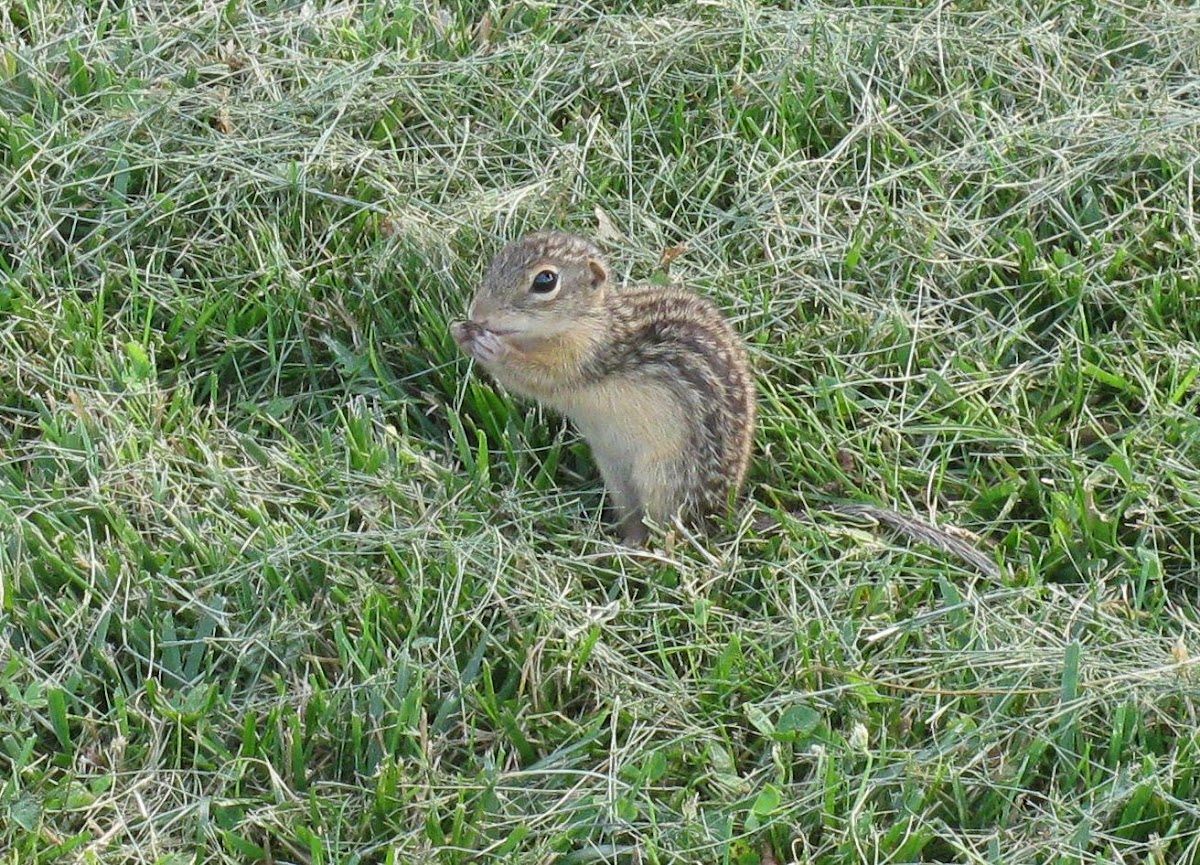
x: 599, y: 272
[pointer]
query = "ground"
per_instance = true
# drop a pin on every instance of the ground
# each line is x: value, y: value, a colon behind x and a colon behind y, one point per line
x: 283, y: 579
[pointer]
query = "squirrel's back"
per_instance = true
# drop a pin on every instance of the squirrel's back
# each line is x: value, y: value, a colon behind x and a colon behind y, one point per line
x: 684, y: 344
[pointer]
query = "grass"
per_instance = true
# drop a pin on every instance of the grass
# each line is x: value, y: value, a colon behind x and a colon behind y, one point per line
x: 282, y: 579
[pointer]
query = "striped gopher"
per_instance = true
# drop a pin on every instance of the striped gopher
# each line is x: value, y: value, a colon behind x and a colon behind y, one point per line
x: 655, y: 379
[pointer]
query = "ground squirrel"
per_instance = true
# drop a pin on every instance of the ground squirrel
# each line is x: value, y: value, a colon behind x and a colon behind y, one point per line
x: 655, y: 379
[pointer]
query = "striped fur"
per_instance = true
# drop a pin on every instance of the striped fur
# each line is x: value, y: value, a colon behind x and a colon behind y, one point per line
x: 655, y: 379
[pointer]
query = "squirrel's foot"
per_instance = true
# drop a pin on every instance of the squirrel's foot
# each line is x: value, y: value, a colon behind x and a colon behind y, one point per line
x: 633, y: 532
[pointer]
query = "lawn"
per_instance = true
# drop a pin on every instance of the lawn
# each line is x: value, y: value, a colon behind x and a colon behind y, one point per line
x: 284, y: 579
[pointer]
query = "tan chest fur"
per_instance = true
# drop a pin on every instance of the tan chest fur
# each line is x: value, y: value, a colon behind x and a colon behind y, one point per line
x: 547, y: 368
x: 637, y: 432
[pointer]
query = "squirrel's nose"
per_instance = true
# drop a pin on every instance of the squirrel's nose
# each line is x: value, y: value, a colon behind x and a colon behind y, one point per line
x: 479, y: 312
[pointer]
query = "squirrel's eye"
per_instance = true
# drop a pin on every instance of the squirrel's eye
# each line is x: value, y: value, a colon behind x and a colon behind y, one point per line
x: 545, y: 282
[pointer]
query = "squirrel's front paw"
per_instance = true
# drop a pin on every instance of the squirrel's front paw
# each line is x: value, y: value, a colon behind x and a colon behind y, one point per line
x: 478, y: 342
x: 488, y: 347
x: 464, y: 332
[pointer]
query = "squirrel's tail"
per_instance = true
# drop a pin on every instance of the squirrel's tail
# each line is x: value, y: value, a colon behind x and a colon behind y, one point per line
x: 919, y: 530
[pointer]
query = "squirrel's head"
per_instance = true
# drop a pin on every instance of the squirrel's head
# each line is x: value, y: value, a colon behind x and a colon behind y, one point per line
x: 540, y: 286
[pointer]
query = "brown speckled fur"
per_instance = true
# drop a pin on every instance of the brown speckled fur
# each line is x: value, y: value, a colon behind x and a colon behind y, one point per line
x: 655, y: 379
